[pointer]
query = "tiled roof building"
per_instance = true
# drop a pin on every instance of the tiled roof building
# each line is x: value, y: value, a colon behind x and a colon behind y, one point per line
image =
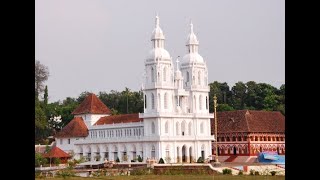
x: 247, y: 132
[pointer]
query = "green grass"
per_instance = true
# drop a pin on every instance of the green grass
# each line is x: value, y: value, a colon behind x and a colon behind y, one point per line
x: 175, y: 177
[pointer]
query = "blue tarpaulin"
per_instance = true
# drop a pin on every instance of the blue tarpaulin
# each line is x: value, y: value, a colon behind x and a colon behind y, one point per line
x: 271, y: 157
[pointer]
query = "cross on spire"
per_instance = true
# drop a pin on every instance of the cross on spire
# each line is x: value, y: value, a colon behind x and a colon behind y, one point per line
x: 157, y: 20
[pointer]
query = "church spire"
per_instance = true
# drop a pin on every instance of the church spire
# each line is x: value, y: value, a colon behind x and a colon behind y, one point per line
x: 192, y: 41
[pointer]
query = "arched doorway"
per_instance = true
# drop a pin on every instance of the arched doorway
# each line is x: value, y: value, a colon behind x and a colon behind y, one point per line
x: 260, y: 148
x: 184, y: 154
x: 234, y: 150
x: 218, y: 151
x: 202, y: 152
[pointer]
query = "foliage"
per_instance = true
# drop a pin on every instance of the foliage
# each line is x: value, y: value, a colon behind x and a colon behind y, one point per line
x: 252, y: 172
x: 67, y: 172
x: 226, y: 171
x: 117, y: 160
x: 140, y: 159
x: 141, y: 171
x: 273, y: 173
x: 240, y: 172
x: 200, y: 160
x: 39, y: 160
x: 47, y: 149
x: 161, y: 161
x: 56, y: 161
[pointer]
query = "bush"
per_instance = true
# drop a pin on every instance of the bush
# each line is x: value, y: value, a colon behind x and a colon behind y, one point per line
x: 133, y: 160
x: 240, y: 172
x: 273, y: 173
x: 256, y: 173
x: 117, y: 160
x: 226, y: 171
x: 200, y: 160
x: 68, y: 172
x: 252, y: 172
x: 140, y: 159
x: 161, y: 161
x: 56, y: 161
x: 141, y: 171
x: 39, y: 160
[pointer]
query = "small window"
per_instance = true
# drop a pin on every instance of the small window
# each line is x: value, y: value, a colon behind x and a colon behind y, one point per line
x: 68, y: 141
x: 166, y: 127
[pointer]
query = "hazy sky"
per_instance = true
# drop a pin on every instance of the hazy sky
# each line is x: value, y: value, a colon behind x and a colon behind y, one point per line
x: 101, y: 45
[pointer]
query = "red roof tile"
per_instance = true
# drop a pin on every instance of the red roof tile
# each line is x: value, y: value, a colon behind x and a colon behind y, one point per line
x: 249, y: 121
x: 75, y: 128
x: 93, y: 105
x: 123, y: 118
x: 56, y: 153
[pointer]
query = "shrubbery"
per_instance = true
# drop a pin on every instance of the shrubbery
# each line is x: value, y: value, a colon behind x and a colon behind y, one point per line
x: 200, y: 160
x: 161, y: 161
x: 226, y: 171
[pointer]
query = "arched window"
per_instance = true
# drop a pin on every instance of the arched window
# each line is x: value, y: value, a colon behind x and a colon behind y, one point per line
x: 166, y: 127
x: 177, y: 128
x: 200, y: 102
x: 164, y: 74
x: 183, y: 128
x: 152, y: 100
x: 152, y: 74
x: 189, y: 128
x: 201, y: 127
x: 187, y: 76
x: 199, y: 77
x: 166, y: 100
x: 145, y: 101
x: 153, y: 152
x: 153, y: 128
x: 168, y: 158
x: 206, y: 102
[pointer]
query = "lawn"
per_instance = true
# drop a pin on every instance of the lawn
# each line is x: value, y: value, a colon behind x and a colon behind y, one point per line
x: 175, y: 177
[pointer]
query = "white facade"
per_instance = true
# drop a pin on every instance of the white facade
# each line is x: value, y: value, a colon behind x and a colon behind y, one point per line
x: 176, y: 118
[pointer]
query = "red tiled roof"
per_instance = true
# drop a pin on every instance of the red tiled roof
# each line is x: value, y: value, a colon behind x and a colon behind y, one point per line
x: 56, y: 153
x: 249, y: 121
x: 93, y: 105
x: 123, y: 118
x: 75, y: 128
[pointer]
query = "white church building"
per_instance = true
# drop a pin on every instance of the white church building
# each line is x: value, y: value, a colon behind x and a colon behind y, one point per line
x: 175, y: 124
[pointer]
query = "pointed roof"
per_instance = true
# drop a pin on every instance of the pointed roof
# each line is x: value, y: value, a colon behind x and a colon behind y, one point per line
x: 249, y: 121
x: 56, y: 152
x: 75, y: 128
x: 92, y: 105
x: 122, y: 118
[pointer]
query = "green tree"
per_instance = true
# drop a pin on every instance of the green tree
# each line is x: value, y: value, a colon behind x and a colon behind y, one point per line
x: 40, y: 121
x: 45, y: 96
x: 239, y: 95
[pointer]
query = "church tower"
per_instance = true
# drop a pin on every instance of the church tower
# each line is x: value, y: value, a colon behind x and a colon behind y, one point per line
x: 195, y: 75
x: 158, y: 85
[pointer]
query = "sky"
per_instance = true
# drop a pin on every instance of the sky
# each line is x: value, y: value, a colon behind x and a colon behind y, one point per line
x: 101, y: 45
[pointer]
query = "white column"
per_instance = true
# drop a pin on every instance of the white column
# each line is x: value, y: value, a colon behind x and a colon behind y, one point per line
x: 187, y: 155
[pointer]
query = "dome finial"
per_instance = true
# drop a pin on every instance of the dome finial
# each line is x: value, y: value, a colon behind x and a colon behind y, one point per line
x: 157, y: 20
x: 191, y: 27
